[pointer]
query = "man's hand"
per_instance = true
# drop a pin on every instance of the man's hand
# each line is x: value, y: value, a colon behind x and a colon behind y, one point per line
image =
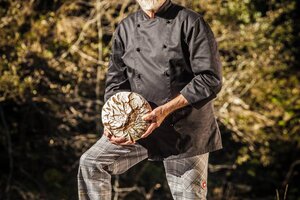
x: 115, y: 140
x: 157, y: 116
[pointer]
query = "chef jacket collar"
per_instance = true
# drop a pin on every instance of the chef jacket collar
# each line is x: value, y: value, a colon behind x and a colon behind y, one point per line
x: 161, y: 11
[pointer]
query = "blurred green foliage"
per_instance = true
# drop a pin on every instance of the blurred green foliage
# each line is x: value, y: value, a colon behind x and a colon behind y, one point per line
x: 53, y: 60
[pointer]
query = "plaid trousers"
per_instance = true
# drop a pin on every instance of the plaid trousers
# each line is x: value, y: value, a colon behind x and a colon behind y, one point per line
x: 186, y: 177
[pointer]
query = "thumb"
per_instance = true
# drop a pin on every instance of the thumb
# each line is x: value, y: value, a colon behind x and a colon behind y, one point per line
x: 148, y: 117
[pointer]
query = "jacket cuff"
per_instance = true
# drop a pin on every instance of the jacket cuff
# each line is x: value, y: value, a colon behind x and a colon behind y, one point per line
x: 195, y: 100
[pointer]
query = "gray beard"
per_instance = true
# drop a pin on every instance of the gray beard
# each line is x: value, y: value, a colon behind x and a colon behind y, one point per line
x: 150, y: 5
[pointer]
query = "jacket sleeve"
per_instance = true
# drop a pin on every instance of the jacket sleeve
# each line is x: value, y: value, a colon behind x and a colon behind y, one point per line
x: 205, y: 64
x: 116, y: 78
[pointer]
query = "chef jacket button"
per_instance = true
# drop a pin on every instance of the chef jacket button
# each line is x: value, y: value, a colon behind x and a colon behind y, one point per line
x: 139, y: 76
x: 164, y: 46
x: 138, y: 25
x: 138, y: 49
x: 166, y: 73
x: 168, y: 22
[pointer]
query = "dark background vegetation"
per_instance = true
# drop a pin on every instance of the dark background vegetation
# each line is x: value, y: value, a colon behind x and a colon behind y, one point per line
x: 53, y: 61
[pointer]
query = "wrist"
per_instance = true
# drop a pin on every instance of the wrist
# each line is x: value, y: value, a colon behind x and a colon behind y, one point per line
x: 176, y: 103
x: 167, y: 109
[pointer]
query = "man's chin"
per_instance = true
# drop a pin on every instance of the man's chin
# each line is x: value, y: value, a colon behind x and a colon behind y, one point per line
x: 153, y: 7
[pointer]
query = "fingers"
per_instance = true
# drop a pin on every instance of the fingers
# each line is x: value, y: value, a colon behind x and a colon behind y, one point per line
x: 120, y: 141
x: 149, y: 130
x: 127, y: 143
x: 117, y: 140
x: 107, y: 133
x: 149, y: 117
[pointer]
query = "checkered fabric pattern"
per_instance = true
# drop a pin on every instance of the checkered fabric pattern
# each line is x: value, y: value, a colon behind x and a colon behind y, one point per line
x: 186, y: 176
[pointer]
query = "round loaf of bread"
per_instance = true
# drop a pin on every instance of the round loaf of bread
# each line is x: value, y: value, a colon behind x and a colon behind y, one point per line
x: 122, y: 115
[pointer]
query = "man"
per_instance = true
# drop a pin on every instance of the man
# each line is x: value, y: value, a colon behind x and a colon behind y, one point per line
x: 168, y: 54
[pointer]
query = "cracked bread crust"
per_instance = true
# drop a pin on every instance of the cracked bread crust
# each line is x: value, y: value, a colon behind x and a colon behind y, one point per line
x: 122, y: 115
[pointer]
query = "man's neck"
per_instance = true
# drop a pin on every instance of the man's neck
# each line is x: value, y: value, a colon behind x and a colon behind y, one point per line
x: 151, y: 14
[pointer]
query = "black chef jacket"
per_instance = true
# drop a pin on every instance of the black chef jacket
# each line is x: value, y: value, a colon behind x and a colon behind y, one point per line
x: 173, y: 53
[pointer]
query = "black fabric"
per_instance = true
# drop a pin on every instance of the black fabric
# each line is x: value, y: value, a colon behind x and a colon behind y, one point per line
x: 173, y: 53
